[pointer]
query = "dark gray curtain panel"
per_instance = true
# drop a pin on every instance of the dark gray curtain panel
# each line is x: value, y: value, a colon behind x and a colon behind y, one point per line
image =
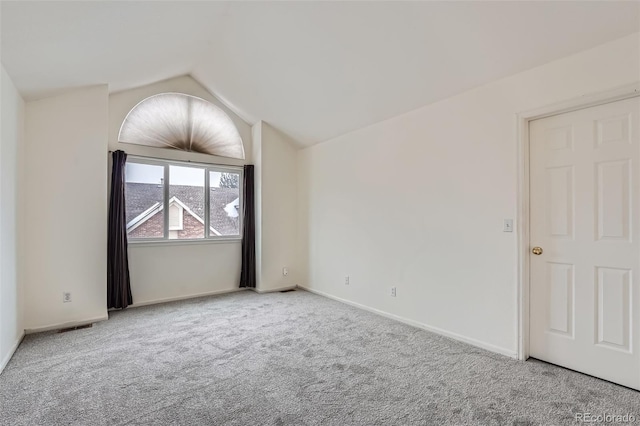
x: 248, y: 272
x: 118, y: 281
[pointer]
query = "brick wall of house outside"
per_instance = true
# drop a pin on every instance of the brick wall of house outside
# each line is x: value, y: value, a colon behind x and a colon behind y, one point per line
x: 152, y: 228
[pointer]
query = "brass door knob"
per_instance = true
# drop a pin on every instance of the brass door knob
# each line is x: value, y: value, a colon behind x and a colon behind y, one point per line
x: 537, y: 251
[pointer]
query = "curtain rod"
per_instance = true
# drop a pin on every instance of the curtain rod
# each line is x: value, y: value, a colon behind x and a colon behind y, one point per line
x: 179, y: 161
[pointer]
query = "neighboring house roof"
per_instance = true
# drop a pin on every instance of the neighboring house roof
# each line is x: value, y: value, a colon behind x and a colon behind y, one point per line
x: 143, y: 197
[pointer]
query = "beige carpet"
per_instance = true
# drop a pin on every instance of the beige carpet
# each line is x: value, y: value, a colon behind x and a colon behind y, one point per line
x: 283, y: 359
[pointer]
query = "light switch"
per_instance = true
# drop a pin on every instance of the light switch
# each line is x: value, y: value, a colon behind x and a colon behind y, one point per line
x: 508, y: 225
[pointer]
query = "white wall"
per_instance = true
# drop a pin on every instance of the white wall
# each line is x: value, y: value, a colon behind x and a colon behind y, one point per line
x: 173, y: 271
x: 275, y: 158
x: 12, y: 119
x: 418, y: 201
x: 64, y: 227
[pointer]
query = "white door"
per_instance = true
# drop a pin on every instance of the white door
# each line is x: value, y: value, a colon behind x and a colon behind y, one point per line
x: 585, y: 216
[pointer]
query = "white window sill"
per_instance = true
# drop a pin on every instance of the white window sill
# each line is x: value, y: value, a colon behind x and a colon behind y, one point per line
x: 150, y: 242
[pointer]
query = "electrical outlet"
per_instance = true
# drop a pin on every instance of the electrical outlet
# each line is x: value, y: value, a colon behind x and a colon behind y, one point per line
x: 393, y: 292
x: 285, y: 271
x: 346, y: 280
x: 66, y: 297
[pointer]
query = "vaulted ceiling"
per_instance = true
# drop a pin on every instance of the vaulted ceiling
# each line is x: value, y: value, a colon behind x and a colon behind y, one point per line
x: 314, y: 70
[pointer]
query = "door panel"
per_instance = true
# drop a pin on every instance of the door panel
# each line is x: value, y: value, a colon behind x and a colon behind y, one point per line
x: 585, y: 214
x: 614, y: 200
x: 560, y: 201
x: 614, y: 328
x: 561, y: 300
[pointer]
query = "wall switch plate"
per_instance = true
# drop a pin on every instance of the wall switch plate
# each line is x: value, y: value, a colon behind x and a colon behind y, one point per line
x: 285, y: 271
x: 66, y: 297
x: 393, y: 292
x: 508, y: 225
x: 346, y: 280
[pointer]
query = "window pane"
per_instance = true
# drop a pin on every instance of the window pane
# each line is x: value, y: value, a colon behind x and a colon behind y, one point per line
x: 224, y: 203
x: 144, y: 199
x: 186, y: 202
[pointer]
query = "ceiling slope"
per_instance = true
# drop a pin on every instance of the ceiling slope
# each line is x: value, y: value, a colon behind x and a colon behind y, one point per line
x: 314, y: 70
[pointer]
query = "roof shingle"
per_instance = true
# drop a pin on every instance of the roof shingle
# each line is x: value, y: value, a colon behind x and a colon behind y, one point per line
x: 139, y: 197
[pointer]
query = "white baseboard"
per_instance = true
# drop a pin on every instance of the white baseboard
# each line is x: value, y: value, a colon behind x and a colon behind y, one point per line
x: 135, y: 305
x: 436, y: 330
x: 274, y: 290
x: 191, y: 296
x: 66, y: 325
x: 7, y: 358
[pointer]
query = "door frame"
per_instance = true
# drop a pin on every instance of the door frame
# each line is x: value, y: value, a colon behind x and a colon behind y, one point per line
x: 523, y: 165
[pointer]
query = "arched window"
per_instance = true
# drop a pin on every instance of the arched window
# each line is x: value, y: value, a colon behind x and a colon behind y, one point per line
x: 183, y: 122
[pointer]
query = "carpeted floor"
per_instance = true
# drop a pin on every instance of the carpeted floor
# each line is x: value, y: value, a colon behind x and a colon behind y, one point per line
x: 283, y: 359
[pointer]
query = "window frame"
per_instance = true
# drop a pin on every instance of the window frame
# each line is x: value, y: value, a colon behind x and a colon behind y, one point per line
x: 209, y: 237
